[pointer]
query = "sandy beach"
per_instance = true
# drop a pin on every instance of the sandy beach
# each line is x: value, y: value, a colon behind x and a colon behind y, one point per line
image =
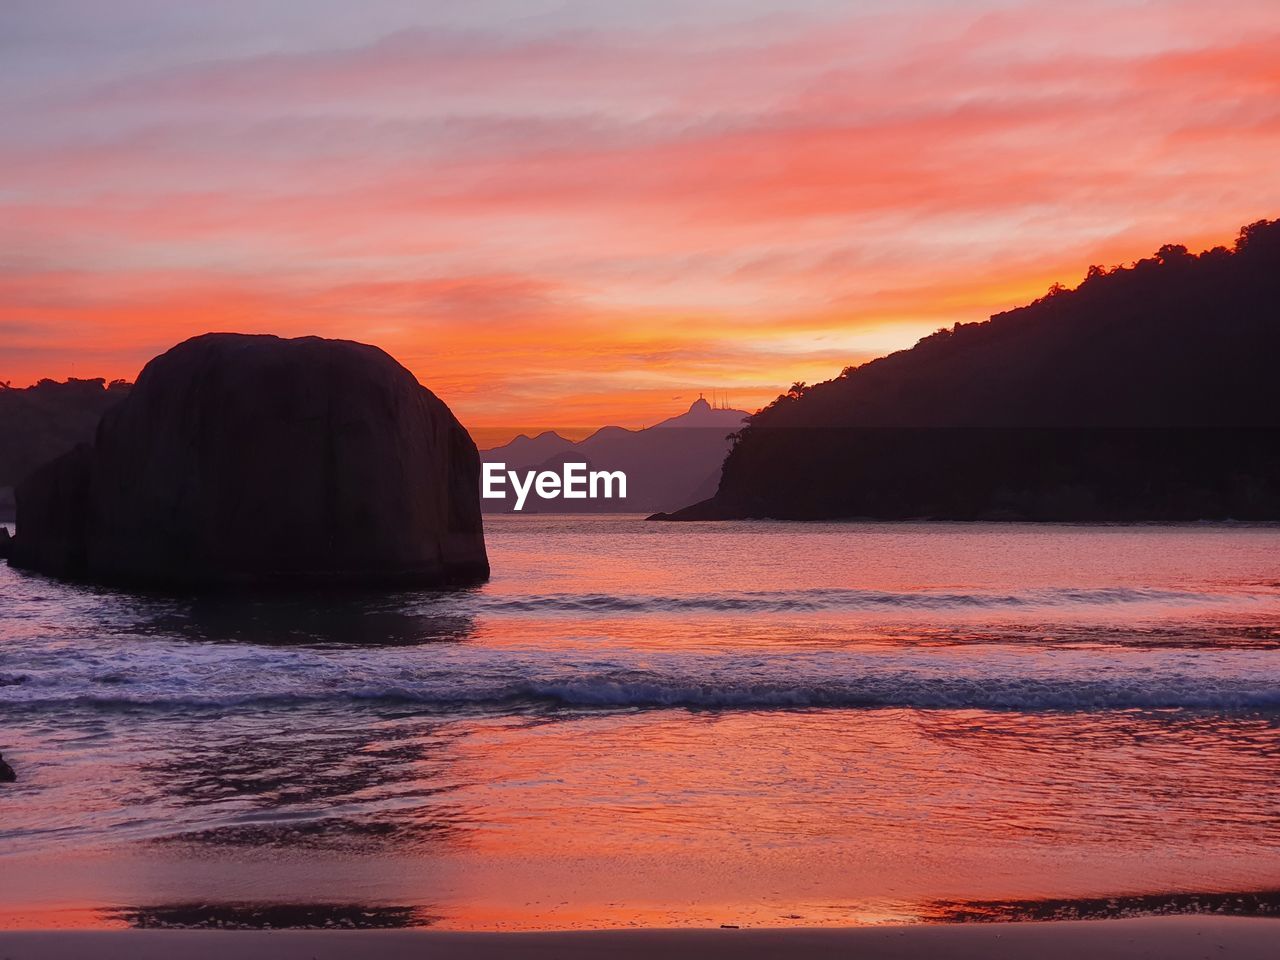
x: 1167, y: 938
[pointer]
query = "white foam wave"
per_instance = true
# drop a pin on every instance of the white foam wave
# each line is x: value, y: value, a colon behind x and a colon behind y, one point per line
x: 202, y: 677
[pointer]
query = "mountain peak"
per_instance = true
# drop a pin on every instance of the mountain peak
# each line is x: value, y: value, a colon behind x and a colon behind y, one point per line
x: 702, y: 414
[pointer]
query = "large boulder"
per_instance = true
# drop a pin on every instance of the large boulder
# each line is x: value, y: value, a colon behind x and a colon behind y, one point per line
x: 256, y: 460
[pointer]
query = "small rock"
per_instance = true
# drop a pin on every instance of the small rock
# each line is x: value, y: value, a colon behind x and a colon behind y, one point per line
x: 6, y: 772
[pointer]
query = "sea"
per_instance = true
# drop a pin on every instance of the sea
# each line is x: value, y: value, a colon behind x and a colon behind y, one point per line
x: 667, y: 725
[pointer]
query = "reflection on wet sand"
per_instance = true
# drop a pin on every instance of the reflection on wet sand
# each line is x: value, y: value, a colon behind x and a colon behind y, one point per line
x: 1265, y: 903
x: 273, y: 916
x: 351, y: 782
x: 366, y: 916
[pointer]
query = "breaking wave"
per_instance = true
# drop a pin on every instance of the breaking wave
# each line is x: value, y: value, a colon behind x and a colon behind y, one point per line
x: 780, y: 601
x: 1063, y: 681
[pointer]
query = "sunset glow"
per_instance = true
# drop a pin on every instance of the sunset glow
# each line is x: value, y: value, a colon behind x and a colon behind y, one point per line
x: 565, y: 215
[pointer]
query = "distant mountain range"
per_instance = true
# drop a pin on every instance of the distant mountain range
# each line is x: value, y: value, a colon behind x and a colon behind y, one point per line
x: 669, y: 465
x: 1149, y: 392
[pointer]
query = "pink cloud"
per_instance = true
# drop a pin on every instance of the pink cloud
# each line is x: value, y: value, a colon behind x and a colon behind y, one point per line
x: 566, y: 204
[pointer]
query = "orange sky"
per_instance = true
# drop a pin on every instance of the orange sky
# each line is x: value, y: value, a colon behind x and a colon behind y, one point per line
x: 564, y: 215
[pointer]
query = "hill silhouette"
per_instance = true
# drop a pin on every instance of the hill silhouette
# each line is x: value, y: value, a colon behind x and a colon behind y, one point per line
x: 672, y: 463
x: 1149, y: 392
x: 40, y: 422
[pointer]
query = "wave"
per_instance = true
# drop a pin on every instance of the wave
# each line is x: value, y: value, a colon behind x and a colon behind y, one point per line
x: 904, y: 692
x: 780, y: 601
x: 649, y: 689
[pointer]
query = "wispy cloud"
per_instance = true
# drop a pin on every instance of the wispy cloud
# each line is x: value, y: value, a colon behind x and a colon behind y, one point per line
x: 580, y: 212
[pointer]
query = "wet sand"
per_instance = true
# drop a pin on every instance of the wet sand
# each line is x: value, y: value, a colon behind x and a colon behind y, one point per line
x: 1168, y: 938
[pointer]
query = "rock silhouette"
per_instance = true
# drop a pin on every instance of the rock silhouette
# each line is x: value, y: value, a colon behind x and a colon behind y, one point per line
x: 6, y: 772
x: 243, y: 460
x: 1148, y: 393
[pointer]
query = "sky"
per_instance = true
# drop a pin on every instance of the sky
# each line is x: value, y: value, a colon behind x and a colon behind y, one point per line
x: 564, y: 214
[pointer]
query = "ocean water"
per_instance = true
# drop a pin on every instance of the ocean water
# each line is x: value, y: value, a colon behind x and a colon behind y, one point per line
x: 658, y: 724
